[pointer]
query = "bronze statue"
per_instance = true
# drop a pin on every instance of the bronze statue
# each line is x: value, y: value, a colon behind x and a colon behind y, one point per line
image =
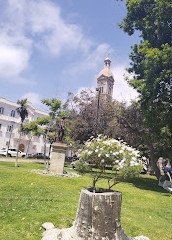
x: 61, y: 129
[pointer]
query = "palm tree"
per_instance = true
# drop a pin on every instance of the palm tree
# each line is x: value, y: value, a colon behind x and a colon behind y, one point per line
x: 23, y: 113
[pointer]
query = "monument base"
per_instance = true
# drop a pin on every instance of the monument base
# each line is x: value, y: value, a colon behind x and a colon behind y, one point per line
x: 58, y: 157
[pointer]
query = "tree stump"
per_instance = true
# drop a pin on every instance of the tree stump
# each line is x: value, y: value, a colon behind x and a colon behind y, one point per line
x: 97, y: 218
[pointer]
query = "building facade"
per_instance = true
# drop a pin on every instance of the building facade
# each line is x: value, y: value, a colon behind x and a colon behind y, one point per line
x: 10, y: 123
x: 105, y: 80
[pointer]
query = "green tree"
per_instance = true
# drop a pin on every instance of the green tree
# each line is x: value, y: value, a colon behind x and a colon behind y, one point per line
x: 23, y: 113
x: 82, y: 111
x: 54, y: 106
x: 152, y: 18
x: 151, y: 65
x: 49, y: 129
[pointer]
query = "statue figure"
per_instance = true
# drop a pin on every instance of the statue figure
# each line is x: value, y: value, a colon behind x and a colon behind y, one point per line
x: 61, y: 129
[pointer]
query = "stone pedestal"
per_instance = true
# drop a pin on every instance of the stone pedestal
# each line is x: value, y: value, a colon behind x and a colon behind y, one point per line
x: 58, y: 157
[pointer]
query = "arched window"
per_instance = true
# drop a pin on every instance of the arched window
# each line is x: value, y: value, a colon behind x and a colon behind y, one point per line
x: 12, y: 113
x: 1, y: 110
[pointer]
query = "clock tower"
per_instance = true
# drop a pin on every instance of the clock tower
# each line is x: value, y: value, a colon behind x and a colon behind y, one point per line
x: 105, y: 80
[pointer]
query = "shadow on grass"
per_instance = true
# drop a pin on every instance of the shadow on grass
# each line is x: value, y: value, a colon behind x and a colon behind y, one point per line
x: 144, y: 182
x: 147, y: 183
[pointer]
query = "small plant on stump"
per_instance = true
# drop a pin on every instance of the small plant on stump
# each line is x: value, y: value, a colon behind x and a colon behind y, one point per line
x: 102, y: 153
x: 98, y: 214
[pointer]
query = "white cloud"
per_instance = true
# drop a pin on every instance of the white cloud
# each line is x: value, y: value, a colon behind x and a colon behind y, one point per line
x: 13, y: 60
x: 27, y: 25
x: 15, y: 52
x: 92, y: 61
x: 46, y: 27
x: 121, y: 90
x: 32, y: 97
x: 56, y: 35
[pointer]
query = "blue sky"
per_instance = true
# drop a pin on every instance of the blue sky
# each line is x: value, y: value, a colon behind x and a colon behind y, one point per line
x: 51, y: 47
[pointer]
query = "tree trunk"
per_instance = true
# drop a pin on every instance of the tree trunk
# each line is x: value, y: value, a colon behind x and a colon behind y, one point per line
x: 28, y: 145
x: 49, y: 156
x: 45, y: 161
x: 153, y: 162
x: 98, y: 215
x: 18, y: 150
x: 97, y: 218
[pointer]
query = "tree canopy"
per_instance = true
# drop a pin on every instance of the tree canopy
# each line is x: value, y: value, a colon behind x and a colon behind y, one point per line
x: 153, y: 18
x: 151, y: 62
x: 22, y: 109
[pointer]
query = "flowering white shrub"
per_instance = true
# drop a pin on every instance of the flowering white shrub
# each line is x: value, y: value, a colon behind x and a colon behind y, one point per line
x: 102, y: 152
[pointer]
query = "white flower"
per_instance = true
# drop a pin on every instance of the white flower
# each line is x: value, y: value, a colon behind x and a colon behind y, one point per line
x: 133, y: 158
x: 117, y: 161
x: 121, y: 164
x: 115, y: 153
x: 114, y: 141
x: 96, y: 150
x: 102, y: 161
x: 121, y: 151
x: 99, y: 155
x: 136, y: 153
x: 132, y: 163
x: 107, y: 155
x: 88, y: 144
x: 136, y: 163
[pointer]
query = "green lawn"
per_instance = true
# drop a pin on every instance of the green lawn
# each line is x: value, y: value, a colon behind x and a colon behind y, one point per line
x: 28, y: 199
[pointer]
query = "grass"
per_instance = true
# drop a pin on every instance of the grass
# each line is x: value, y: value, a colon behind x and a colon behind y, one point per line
x: 28, y: 199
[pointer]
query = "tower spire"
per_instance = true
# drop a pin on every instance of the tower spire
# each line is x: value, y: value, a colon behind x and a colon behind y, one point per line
x: 105, y: 80
x: 107, y: 62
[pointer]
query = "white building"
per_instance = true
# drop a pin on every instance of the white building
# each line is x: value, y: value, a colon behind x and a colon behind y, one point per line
x: 10, y: 123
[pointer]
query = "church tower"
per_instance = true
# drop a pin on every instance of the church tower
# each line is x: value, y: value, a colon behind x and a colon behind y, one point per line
x: 105, y: 80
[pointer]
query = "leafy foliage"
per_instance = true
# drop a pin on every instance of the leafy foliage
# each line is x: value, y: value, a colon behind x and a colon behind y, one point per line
x: 82, y: 111
x: 102, y: 152
x: 22, y: 109
x: 152, y: 18
x: 151, y: 67
x: 54, y: 106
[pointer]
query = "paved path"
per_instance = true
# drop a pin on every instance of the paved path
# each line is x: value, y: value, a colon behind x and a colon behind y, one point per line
x: 23, y: 160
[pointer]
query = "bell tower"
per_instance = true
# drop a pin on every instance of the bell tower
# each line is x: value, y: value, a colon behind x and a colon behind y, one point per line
x: 105, y: 80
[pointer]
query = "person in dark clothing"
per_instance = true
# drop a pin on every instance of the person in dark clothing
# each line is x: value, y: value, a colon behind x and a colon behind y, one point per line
x: 167, y: 171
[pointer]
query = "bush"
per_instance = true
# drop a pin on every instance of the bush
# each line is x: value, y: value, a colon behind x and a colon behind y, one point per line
x: 101, y: 153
